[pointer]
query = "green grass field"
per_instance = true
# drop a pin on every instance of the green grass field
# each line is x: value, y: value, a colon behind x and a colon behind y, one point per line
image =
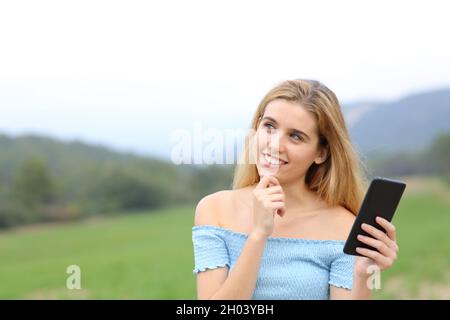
x: 140, y: 256
x: 150, y: 255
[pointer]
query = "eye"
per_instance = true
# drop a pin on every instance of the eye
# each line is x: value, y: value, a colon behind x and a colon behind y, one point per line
x: 297, y: 137
x: 269, y: 126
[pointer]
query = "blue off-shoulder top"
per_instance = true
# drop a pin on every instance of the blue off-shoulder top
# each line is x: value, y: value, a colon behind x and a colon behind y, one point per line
x: 291, y: 268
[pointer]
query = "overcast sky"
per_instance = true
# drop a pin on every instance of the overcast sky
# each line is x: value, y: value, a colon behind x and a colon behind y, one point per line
x: 128, y: 73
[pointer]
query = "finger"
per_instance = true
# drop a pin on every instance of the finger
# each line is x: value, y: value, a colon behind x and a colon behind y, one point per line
x: 272, y: 190
x: 379, y: 235
x: 388, y: 226
x: 263, y: 182
x: 273, y: 181
x: 377, y: 244
x: 379, y: 259
x: 374, y: 232
x: 276, y: 205
x: 266, y: 181
x: 276, y: 197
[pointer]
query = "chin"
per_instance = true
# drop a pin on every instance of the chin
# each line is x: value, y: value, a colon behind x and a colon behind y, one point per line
x: 269, y: 171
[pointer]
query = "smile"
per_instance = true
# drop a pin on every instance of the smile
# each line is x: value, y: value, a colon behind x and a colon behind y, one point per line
x: 273, y: 161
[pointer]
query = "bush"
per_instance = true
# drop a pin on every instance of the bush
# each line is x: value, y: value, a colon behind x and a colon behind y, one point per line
x: 119, y: 189
x: 13, y: 214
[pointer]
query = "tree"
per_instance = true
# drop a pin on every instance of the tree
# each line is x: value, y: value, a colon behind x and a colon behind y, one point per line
x: 121, y: 188
x: 33, y: 185
x: 439, y: 154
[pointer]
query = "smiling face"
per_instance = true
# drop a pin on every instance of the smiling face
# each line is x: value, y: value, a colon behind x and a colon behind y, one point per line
x: 287, y: 141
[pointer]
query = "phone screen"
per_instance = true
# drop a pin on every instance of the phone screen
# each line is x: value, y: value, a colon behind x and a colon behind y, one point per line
x: 381, y: 199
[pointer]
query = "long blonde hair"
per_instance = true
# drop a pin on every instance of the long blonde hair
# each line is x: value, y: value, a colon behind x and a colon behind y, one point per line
x: 338, y: 180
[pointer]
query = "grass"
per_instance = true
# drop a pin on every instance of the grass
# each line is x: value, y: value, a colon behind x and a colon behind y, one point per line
x: 149, y: 255
x: 422, y: 270
x: 145, y: 256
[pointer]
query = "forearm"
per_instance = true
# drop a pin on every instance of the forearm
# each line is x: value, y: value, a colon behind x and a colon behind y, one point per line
x: 241, y: 282
x: 360, y: 289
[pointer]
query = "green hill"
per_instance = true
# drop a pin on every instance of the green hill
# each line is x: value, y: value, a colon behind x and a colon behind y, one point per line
x: 82, y: 180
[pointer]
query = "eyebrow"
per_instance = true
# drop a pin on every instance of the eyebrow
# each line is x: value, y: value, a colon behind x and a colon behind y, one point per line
x: 291, y: 129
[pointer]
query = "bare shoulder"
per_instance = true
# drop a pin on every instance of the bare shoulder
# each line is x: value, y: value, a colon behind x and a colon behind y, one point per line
x: 341, y: 221
x: 209, y: 208
x: 343, y: 215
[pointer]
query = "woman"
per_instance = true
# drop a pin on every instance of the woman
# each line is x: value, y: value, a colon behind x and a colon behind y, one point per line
x: 280, y: 232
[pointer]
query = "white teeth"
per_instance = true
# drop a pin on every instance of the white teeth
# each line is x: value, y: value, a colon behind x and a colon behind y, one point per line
x: 272, y: 160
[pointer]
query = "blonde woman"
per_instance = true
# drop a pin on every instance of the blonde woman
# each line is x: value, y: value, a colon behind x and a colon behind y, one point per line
x: 279, y: 233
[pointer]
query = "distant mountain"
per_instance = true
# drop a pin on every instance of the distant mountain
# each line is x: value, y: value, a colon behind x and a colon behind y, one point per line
x: 408, y: 124
x: 63, y: 157
x: 77, y: 164
x: 355, y: 111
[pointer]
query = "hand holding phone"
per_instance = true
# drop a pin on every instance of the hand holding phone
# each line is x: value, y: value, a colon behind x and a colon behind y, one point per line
x: 381, y: 199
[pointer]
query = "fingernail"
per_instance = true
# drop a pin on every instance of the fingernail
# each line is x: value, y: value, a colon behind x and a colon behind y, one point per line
x: 360, y: 237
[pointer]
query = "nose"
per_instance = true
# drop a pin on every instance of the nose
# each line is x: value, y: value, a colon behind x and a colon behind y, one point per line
x: 277, y: 144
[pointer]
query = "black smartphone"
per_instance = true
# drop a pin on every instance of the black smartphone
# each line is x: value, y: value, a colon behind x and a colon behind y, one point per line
x: 381, y: 199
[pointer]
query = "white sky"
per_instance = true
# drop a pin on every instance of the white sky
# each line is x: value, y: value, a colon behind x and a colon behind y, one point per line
x: 117, y: 72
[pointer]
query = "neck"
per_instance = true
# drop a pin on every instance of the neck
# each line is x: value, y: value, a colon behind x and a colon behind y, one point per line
x: 299, y: 198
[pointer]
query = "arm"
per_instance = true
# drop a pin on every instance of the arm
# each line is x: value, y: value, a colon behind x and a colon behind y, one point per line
x: 383, y: 258
x: 360, y: 290
x: 241, y: 282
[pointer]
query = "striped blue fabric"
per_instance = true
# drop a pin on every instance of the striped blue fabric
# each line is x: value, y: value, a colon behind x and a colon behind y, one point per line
x: 291, y: 268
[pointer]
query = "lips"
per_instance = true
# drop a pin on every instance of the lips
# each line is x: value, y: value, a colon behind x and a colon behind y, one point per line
x: 272, y: 161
